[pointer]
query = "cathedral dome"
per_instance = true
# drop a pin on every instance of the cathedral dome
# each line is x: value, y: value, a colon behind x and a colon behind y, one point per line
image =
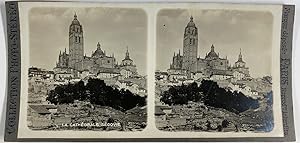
x: 212, y: 54
x: 98, y: 52
x: 75, y: 20
x: 127, y: 60
x: 240, y: 59
x: 191, y: 23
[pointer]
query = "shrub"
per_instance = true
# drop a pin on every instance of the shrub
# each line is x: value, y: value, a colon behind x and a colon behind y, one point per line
x: 210, y: 94
x: 96, y: 92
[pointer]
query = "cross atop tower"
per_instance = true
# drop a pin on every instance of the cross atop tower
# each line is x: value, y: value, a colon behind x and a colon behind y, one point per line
x: 75, y: 16
x: 212, y: 48
x: 127, y: 53
x: 240, y: 56
x: 98, y: 46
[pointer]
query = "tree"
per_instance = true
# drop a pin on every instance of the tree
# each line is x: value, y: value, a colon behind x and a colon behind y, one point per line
x: 210, y: 94
x: 182, y: 94
x: 96, y: 92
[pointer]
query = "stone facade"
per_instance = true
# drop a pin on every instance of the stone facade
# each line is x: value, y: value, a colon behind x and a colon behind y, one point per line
x: 76, y: 49
x: 212, y: 65
x: 190, y: 47
x: 127, y: 64
x: 98, y: 63
x: 240, y: 66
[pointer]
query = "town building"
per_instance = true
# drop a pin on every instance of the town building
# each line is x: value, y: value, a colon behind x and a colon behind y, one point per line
x: 40, y: 115
x: 34, y: 72
x: 246, y: 90
x: 128, y: 85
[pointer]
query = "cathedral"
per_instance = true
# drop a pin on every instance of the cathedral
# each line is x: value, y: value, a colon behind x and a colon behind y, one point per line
x: 212, y: 64
x: 75, y: 62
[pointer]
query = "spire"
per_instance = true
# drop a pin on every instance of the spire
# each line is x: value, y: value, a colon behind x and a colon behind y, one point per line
x: 240, y: 56
x: 191, y: 18
x: 59, y: 52
x: 179, y: 52
x: 75, y: 20
x: 127, y: 53
x: 65, y: 51
x: 212, y: 48
x: 98, y: 46
x: 191, y: 22
x: 75, y: 16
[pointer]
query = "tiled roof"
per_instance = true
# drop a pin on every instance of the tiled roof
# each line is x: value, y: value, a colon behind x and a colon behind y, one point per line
x: 109, y: 70
x: 221, y: 72
x: 164, y: 107
x: 42, y: 109
x: 125, y: 81
x: 161, y: 73
x: 158, y: 111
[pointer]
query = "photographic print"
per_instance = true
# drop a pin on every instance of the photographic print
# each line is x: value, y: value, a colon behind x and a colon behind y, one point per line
x: 205, y: 72
x: 214, y: 70
x: 87, y: 69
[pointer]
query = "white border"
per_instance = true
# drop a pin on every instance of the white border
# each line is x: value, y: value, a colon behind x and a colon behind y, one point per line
x: 150, y: 131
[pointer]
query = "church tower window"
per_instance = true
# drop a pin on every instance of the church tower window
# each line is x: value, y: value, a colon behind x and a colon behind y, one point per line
x: 76, y: 48
x: 189, y: 58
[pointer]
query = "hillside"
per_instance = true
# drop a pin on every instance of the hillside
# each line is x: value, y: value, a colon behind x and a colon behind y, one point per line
x: 84, y: 112
x: 198, y: 117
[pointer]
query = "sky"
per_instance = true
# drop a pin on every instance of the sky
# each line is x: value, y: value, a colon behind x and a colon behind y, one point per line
x: 114, y: 28
x: 228, y: 30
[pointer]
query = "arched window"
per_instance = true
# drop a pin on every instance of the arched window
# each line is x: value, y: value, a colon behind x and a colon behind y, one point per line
x: 75, y: 38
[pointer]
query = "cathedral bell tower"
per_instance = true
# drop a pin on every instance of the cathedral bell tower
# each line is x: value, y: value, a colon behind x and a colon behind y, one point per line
x: 190, y: 46
x: 240, y: 63
x: 76, y: 45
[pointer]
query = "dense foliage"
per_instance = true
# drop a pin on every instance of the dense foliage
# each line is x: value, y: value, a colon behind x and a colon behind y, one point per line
x: 182, y: 94
x: 210, y: 94
x: 96, y: 92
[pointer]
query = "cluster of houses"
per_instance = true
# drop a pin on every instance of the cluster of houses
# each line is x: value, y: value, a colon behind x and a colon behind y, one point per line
x: 41, y: 81
x: 232, y: 82
x: 181, y: 76
x: 40, y: 116
x: 246, y: 90
x: 120, y: 80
